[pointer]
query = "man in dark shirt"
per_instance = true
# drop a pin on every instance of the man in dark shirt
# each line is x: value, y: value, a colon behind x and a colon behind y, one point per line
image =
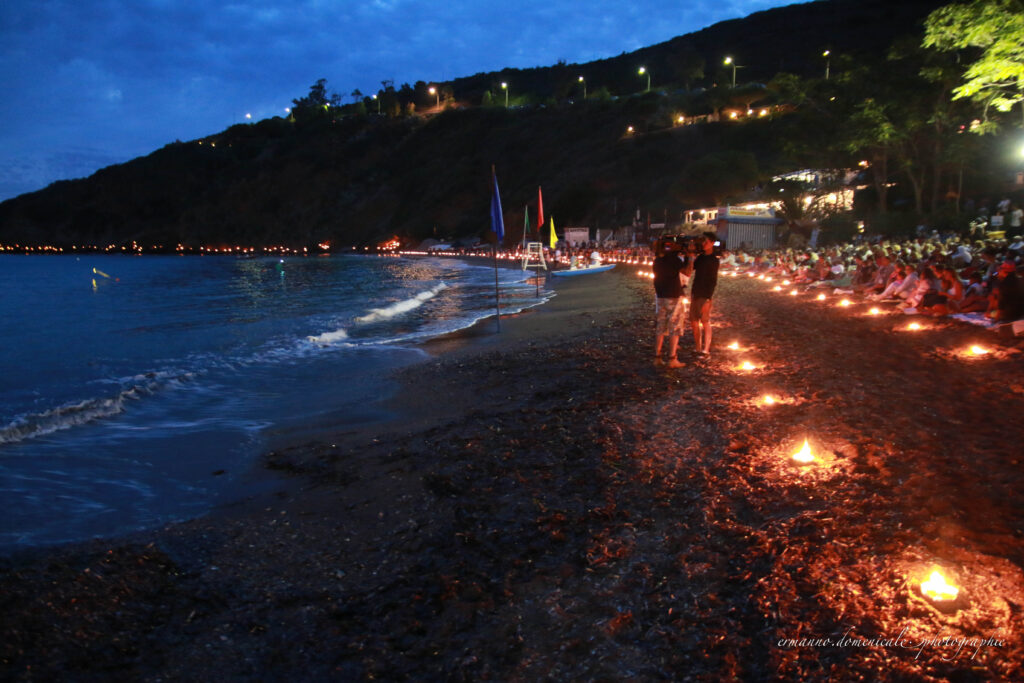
x: 669, y: 306
x: 702, y: 287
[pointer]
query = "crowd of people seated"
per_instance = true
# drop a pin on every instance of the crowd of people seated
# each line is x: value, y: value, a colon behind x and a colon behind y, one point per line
x: 927, y: 276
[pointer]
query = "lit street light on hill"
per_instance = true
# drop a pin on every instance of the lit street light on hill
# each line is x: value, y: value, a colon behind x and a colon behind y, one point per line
x: 643, y: 70
x: 729, y: 61
x: 504, y: 86
x: 584, y: 82
x: 828, y: 61
x: 437, y: 97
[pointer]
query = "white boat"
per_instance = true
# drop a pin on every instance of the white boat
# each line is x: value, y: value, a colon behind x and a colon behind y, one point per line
x: 583, y: 271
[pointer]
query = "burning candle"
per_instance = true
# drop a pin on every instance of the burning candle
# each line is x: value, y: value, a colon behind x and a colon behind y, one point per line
x: 785, y: 282
x: 768, y: 400
x: 777, y: 288
x: 793, y: 292
x: 978, y: 350
x: 747, y: 365
x: 874, y: 310
x: 936, y: 588
x: 734, y: 346
x: 821, y: 297
x: 845, y: 302
x: 804, y: 455
x: 913, y: 327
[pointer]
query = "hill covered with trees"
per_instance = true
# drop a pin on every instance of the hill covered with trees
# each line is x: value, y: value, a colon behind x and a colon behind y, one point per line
x: 420, y: 168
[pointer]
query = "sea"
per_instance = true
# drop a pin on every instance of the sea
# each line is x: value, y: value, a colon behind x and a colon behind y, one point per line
x: 140, y: 390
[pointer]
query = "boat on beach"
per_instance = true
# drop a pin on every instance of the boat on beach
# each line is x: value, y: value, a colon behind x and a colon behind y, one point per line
x: 583, y: 271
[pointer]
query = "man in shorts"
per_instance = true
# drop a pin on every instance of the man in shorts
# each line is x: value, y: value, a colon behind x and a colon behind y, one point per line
x: 702, y: 287
x: 669, y: 305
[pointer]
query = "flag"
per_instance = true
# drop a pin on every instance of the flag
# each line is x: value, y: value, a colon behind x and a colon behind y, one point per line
x: 497, y: 220
x: 540, y: 212
x: 554, y: 237
x: 526, y: 222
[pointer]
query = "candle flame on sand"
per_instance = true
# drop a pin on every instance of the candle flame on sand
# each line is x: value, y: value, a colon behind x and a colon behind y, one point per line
x: 804, y: 455
x: 874, y: 310
x: 768, y: 400
x: 845, y: 302
x: 793, y: 292
x: 978, y: 350
x: 747, y: 365
x: 777, y: 288
x: 821, y: 297
x: 913, y: 327
x: 734, y: 346
x: 937, y: 589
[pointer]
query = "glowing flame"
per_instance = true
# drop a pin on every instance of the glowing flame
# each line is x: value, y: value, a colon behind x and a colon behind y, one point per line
x: 734, y: 346
x: 874, y: 310
x: 804, y: 454
x: 793, y: 292
x: 845, y: 302
x: 768, y: 400
x: 978, y: 350
x: 914, y: 327
x: 936, y: 588
x: 777, y: 288
x: 821, y: 297
x: 785, y: 282
x: 747, y: 365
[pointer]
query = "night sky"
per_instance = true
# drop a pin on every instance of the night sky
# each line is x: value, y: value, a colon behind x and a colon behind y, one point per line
x: 88, y: 83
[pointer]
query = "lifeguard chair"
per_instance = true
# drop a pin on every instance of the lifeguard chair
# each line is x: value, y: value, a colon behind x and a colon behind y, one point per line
x: 534, y: 256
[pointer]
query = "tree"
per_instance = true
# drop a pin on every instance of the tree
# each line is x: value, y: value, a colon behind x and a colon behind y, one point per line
x: 356, y: 95
x: 996, y: 28
x: 686, y: 64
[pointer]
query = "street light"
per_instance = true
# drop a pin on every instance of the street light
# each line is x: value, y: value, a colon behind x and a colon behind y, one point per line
x: 437, y: 96
x: 378, y: 102
x: 729, y: 61
x: 643, y: 70
x: 584, y: 82
x: 504, y: 86
x: 828, y: 61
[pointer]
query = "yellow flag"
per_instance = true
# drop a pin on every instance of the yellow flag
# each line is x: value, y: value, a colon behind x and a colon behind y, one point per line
x: 554, y: 237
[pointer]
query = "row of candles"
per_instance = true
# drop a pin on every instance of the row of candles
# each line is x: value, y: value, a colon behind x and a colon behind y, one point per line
x: 936, y: 587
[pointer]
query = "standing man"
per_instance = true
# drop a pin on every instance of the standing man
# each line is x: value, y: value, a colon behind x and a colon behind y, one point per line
x: 668, y: 305
x: 705, y: 279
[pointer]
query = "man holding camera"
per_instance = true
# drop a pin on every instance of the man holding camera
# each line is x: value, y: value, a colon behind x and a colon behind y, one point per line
x: 669, y: 271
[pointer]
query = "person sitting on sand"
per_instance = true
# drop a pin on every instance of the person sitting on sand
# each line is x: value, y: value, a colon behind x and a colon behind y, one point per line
x: 976, y: 299
x: 1007, y: 300
x: 669, y: 306
x: 926, y: 294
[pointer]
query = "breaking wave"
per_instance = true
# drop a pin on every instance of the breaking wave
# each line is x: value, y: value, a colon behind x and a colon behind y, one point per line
x: 78, y: 413
x: 400, y: 307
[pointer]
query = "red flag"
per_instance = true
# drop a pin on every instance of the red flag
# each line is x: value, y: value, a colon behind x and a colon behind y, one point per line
x: 540, y: 210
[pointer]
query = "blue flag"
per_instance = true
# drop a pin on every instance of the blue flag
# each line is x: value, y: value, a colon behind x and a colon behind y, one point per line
x: 497, y: 220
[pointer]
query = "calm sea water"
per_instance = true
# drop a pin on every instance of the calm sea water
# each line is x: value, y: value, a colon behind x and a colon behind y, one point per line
x: 148, y: 396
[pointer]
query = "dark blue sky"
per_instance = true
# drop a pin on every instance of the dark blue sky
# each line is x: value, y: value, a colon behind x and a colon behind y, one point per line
x: 88, y: 83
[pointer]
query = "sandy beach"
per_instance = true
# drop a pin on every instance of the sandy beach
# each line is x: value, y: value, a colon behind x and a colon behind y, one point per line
x: 548, y: 504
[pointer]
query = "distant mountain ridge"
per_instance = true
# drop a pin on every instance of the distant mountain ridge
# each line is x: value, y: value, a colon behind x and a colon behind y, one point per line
x: 357, y: 180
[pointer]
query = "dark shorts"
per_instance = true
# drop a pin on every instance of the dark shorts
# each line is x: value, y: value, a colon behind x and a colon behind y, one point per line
x: 699, y: 308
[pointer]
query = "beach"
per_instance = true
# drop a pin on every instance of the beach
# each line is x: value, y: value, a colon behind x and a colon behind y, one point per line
x: 547, y: 503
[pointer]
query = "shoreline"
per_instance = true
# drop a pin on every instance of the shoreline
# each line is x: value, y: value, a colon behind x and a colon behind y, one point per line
x: 556, y: 507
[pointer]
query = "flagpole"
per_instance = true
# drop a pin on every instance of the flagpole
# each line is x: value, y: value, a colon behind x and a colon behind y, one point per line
x: 496, y: 212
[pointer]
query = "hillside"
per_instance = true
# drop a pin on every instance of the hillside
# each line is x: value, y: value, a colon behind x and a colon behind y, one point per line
x: 356, y: 179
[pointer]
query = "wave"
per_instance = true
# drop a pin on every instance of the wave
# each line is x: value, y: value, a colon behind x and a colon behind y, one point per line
x: 329, y: 337
x: 400, y: 307
x: 82, y: 412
